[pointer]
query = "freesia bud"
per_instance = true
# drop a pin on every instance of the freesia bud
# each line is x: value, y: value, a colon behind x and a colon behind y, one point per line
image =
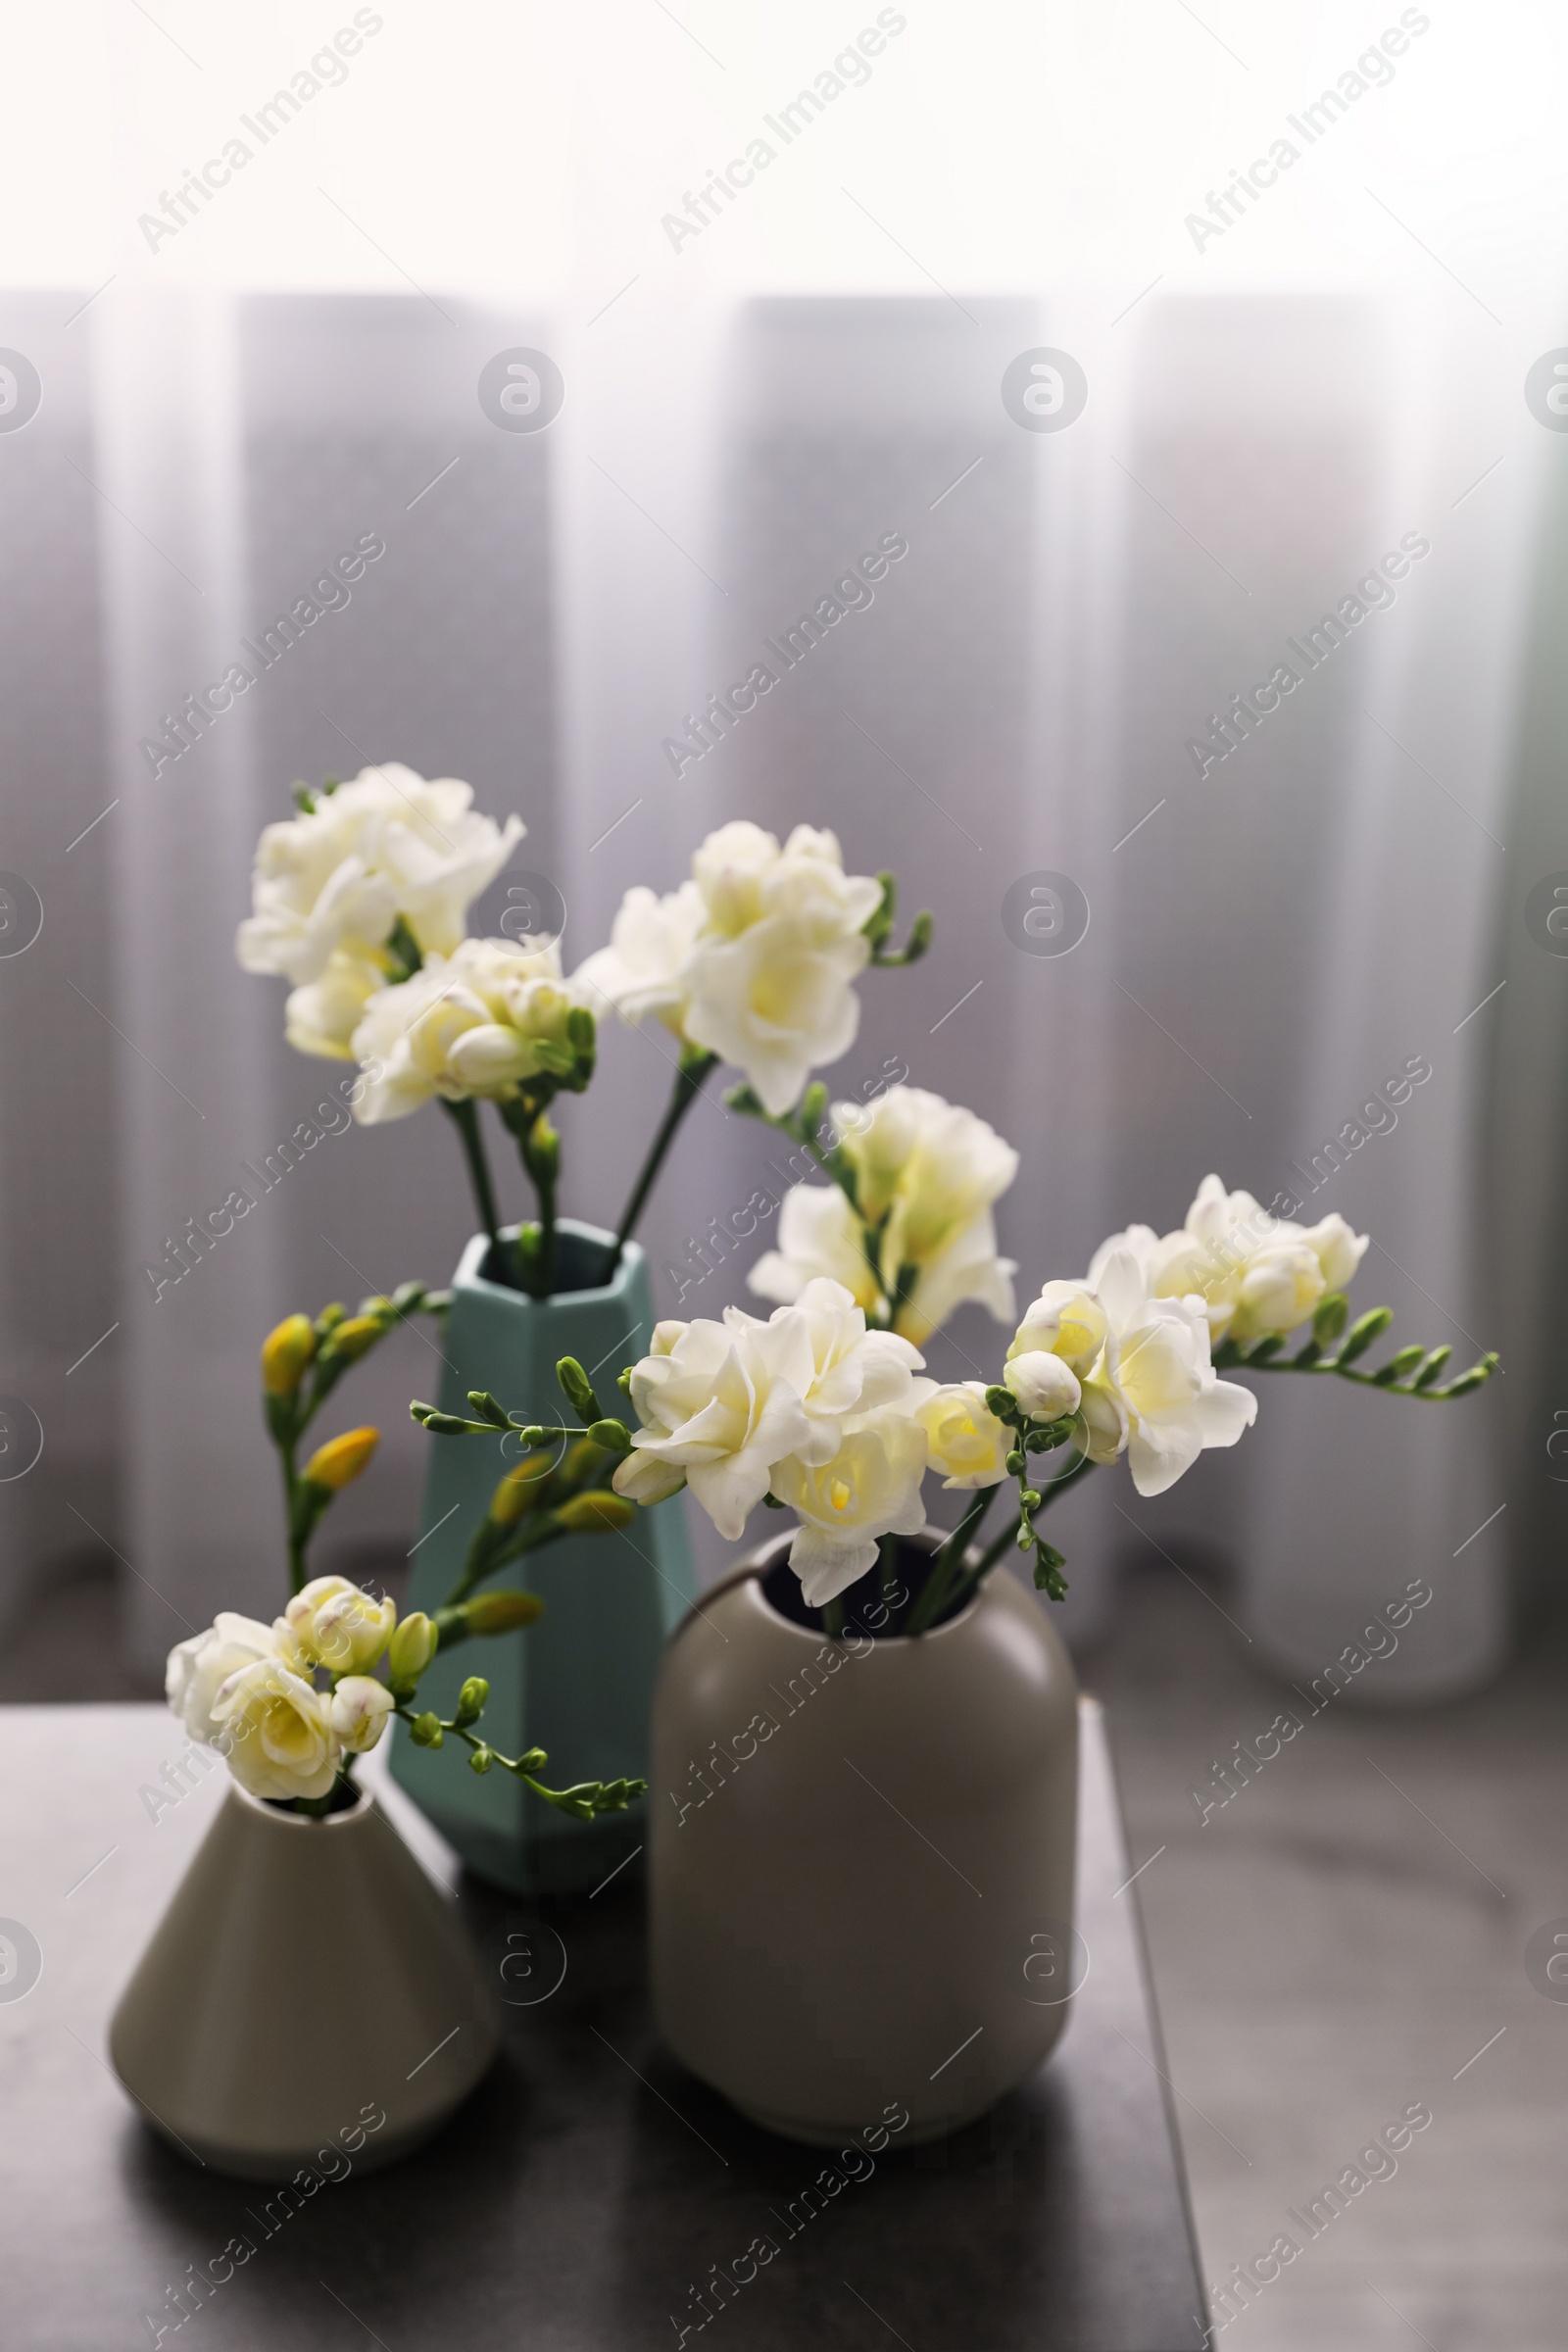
x: 1043, y: 1384
x: 352, y: 1339
x: 286, y: 1353
x: 411, y: 1647
x: 425, y: 1730
x: 502, y: 1612
x: 473, y: 1699
x: 596, y: 1513
x: 520, y: 1490
x: 359, y: 1708
x: 338, y: 1462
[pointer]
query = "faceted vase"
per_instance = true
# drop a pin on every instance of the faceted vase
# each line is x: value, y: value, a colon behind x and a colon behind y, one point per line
x: 579, y: 1682
x: 860, y: 1858
x: 309, y: 1998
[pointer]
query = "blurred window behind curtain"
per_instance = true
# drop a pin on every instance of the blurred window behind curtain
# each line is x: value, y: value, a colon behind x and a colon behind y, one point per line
x: 743, y: 416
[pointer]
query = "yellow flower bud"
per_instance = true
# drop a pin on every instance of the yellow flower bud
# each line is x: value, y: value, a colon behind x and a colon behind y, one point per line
x: 411, y: 1647
x: 286, y: 1353
x: 582, y: 1461
x: 520, y: 1490
x: 341, y: 1459
x: 353, y: 1337
x: 503, y: 1612
x: 596, y: 1513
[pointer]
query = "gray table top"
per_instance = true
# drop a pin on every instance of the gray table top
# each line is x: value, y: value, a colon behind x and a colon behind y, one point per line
x: 590, y: 2182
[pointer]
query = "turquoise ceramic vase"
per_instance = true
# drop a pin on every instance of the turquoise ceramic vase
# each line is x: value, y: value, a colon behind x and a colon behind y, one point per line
x: 578, y: 1683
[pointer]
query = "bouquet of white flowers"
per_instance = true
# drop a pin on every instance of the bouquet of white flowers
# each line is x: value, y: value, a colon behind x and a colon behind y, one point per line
x: 821, y: 1409
x: 361, y: 899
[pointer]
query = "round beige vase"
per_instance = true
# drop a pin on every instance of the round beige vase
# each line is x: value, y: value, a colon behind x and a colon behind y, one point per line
x: 862, y: 1858
x: 309, y: 1995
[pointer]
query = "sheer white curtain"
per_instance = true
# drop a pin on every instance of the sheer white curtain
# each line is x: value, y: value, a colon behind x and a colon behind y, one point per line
x: 1267, y: 943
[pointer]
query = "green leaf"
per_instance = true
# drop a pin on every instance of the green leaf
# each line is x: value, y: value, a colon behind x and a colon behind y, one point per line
x: 1329, y: 1316
x: 1360, y: 1336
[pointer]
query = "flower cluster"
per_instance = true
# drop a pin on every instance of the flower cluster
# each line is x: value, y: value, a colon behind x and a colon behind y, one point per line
x: 1256, y: 1273
x: 906, y: 1225
x: 334, y: 884
x: 483, y: 1022
x: 753, y: 959
x: 291, y: 1703
x: 822, y: 1410
x: 360, y: 901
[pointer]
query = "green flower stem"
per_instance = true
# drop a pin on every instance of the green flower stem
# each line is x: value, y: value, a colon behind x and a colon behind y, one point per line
x: 540, y: 1147
x: 947, y: 1564
x: 889, y: 1574
x: 695, y: 1064
x: 465, y: 1117
x: 1401, y: 1377
x: 833, y: 1617
x: 583, y: 1802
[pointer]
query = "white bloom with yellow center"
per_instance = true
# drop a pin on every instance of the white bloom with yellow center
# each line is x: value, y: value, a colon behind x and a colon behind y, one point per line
x: 720, y: 1403
x: 198, y: 1668
x: 925, y: 1174
x: 869, y: 1488
x: 333, y: 1624
x: 283, y: 1743
x: 1154, y: 1388
x: 964, y: 1441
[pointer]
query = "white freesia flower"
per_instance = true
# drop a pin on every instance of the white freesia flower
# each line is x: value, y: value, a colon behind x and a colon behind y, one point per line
x: 284, y: 1742
x: 198, y: 1668
x: 964, y: 1441
x: 925, y: 1174
x: 751, y: 959
x: 1280, y: 1285
x: 1250, y: 1268
x: 358, y: 1709
x: 727, y: 1402
x: 868, y: 1488
x: 720, y: 1403
x: 819, y: 1235
x: 476, y: 1023
x: 644, y: 969
x: 321, y: 1015
x: 1338, y: 1250
x: 1154, y: 1388
x: 333, y: 1624
x: 853, y: 1370
x: 386, y: 845
x: 781, y: 941
x: 1067, y: 1320
x: 1043, y: 1384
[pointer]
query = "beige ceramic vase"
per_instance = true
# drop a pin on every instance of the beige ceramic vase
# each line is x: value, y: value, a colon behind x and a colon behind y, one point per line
x: 308, y: 1992
x: 862, y: 1858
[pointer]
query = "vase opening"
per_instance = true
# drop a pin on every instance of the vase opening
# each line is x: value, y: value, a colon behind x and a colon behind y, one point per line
x: 583, y: 1263
x: 868, y: 1612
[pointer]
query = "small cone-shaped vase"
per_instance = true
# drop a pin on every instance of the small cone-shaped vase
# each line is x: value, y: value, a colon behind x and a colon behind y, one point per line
x: 307, y: 1980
